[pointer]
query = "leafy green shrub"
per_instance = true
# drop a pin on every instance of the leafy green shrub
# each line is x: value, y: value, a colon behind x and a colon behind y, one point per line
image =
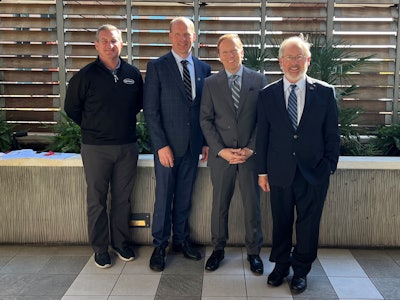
x: 67, y: 136
x: 387, y: 140
x: 5, y: 135
x: 143, y: 136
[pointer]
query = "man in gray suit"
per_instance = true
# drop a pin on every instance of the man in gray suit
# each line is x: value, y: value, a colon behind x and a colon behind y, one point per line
x: 228, y: 120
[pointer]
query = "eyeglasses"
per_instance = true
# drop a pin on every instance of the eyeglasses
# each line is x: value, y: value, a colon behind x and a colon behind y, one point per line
x: 294, y: 58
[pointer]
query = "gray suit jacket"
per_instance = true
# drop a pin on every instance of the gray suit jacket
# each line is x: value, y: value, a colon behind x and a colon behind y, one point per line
x: 221, y: 125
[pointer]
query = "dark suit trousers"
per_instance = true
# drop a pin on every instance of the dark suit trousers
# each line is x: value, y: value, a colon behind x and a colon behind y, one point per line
x: 223, y: 180
x: 114, y: 167
x: 308, y: 201
x: 174, y: 187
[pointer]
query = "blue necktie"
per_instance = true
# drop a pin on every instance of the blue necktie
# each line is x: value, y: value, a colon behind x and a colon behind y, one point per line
x: 235, y: 91
x: 292, y: 106
x: 186, y: 80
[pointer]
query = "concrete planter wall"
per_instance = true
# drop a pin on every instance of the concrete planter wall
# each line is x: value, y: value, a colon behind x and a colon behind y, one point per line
x: 43, y: 201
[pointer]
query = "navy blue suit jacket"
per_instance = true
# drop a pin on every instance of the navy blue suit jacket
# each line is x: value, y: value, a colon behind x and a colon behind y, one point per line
x: 172, y: 119
x: 313, y: 147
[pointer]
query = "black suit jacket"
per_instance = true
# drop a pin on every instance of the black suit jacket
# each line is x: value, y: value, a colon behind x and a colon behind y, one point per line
x: 171, y: 118
x: 313, y: 147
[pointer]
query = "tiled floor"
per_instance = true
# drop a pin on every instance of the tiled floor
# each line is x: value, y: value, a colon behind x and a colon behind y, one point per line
x: 68, y: 273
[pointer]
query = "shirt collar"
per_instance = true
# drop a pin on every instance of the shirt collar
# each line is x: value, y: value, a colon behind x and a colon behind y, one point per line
x: 300, y: 84
x: 179, y: 59
x: 239, y: 73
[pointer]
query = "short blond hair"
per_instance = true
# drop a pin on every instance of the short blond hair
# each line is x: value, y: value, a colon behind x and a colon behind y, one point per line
x: 230, y: 36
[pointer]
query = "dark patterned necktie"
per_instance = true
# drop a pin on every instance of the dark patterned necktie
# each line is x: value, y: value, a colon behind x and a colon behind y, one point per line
x: 235, y: 88
x: 292, y: 106
x: 186, y: 80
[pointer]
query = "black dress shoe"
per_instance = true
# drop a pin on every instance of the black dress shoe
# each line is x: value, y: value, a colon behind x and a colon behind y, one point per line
x: 157, y: 260
x: 214, y: 260
x: 276, y: 277
x: 188, y: 250
x: 256, y: 264
x: 298, y: 284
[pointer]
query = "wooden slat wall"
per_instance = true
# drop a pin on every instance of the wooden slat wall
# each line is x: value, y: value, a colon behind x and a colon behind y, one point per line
x: 32, y: 84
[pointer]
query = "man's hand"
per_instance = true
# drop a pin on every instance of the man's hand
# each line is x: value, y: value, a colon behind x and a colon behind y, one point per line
x: 166, y: 157
x: 204, y: 154
x: 235, y: 156
x: 264, y: 183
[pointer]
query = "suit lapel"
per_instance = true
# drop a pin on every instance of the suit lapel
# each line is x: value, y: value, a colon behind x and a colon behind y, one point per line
x: 198, y: 78
x: 176, y: 74
x: 309, y: 100
x: 281, y: 103
x: 246, y: 80
x: 224, y: 91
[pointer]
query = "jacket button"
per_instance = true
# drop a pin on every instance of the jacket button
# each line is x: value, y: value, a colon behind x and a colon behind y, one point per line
x: 294, y: 153
x: 295, y: 136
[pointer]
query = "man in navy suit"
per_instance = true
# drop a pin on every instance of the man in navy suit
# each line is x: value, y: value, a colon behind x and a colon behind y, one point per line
x: 230, y: 131
x: 171, y: 108
x: 297, y: 150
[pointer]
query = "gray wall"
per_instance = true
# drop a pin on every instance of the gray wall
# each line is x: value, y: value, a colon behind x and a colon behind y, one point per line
x: 43, y: 201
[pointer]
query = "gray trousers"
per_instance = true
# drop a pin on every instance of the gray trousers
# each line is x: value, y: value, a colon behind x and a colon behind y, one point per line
x: 109, y: 168
x: 223, y: 180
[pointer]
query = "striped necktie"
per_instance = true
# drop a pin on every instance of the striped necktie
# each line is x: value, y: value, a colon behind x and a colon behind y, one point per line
x: 292, y: 106
x: 186, y: 80
x: 235, y: 88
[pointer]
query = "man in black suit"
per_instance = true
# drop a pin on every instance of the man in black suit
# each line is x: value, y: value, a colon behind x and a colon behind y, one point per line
x: 172, y: 95
x: 230, y: 131
x: 297, y: 150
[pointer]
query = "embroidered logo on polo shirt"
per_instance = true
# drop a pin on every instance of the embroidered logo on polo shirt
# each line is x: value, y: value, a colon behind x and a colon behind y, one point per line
x: 129, y: 81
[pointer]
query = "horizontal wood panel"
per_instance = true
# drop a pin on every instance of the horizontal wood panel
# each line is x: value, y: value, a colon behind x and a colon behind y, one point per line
x: 30, y: 115
x: 33, y: 62
x: 33, y: 46
x: 29, y: 89
x: 28, y: 75
x: 370, y: 106
x: 46, y: 50
x: 25, y: 8
x: 32, y: 102
x: 32, y: 127
x: 39, y: 36
x: 95, y: 9
x: 29, y: 23
x: 365, y: 11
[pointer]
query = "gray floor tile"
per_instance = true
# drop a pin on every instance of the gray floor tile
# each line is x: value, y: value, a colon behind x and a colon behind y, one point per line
x: 4, y: 260
x: 318, y: 287
x: 370, y: 254
x: 394, y: 254
x: 178, y: 298
x: 316, y: 269
x: 176, y: 263
x: 13, y: 284
x: 180, y: 285
x: 380, y: 268
x: 9, y: 250
x: 48, y: 285
x: 37, y: 298
x: 25, y: 264
x: 388, y: 287
x: 64, y: 265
